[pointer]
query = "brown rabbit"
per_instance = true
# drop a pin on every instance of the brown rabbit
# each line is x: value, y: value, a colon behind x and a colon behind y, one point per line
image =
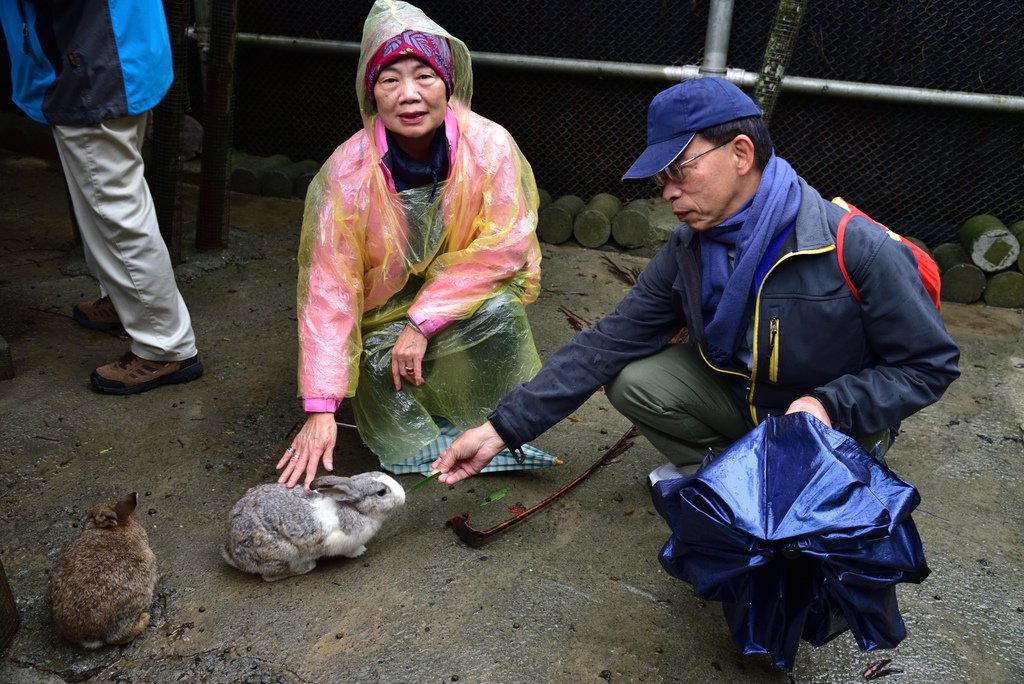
x: 104, y: 582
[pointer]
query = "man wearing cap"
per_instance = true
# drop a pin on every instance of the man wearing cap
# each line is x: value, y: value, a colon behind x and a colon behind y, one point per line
x: 752, y: 274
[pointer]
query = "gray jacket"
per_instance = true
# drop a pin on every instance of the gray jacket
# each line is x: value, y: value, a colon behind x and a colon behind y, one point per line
x: 871, y: 364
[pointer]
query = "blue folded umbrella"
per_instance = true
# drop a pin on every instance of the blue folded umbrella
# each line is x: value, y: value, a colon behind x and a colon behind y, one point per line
x: 800, y: 533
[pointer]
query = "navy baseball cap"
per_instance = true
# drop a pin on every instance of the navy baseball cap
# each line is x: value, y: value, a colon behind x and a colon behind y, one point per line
x: 678, y: 113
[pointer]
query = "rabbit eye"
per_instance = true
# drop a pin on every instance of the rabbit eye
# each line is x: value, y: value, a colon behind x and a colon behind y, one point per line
x: 382, y: 492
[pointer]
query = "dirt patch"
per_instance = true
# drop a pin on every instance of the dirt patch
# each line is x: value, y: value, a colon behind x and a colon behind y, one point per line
x: 573, y: 594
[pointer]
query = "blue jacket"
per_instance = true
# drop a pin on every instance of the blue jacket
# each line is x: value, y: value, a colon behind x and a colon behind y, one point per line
x: 79, y: 62
x: 870, y: 364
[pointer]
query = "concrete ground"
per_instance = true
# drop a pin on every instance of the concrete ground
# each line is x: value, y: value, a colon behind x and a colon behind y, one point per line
x: 573, y: 594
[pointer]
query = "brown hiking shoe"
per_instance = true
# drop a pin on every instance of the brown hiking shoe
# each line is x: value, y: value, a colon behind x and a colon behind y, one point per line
x: 132, y: 374
x: 98, y: 315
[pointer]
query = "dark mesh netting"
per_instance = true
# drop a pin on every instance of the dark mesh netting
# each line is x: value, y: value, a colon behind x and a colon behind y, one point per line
x: 921, y: 169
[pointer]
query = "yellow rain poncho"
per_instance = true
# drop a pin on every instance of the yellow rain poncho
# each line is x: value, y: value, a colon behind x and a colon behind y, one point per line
x: 461, y: 267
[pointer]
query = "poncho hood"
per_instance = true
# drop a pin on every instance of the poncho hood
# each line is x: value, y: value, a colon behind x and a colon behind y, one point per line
x: 387, y: 19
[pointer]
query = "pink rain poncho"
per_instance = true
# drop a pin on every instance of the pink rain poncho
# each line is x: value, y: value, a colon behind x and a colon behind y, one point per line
x: 461, y: 268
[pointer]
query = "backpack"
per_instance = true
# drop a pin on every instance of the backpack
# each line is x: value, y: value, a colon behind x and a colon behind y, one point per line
x: 926, y: 266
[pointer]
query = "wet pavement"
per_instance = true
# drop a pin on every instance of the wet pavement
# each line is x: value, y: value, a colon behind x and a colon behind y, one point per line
x: 575, y: 593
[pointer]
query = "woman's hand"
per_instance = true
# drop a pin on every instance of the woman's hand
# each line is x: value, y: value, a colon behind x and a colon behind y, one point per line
x: 314, y: 443
x: 468, y: 454
x: 407, y: 357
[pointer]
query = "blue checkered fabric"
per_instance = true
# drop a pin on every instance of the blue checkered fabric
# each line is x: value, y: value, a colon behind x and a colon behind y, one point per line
x: 503, y: 462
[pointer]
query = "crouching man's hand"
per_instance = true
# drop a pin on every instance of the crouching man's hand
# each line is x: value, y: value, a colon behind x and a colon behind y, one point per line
x: 810, y: 405
x: 469, y: 454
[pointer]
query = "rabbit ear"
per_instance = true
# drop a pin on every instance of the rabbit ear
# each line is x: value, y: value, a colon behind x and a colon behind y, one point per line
x: 325, y: 481
x: 126, y: 506
x: 341, y: 489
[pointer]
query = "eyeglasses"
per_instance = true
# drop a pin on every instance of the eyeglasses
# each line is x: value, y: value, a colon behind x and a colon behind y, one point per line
x: 674, y: 172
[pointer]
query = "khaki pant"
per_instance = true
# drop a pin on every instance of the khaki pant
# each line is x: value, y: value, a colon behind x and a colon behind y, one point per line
x: 685, y: 409
x: 123, y: 247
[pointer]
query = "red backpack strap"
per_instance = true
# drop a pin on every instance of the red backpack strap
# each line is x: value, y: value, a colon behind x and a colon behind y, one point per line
x: 926, y: 267
x: 840, y: 239
x: 929, y: 272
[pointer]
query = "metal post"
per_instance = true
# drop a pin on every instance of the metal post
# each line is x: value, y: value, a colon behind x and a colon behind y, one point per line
x: 213, y: 219
x: 167, y: 123
x: 201, y: 32
x: 716, y: 42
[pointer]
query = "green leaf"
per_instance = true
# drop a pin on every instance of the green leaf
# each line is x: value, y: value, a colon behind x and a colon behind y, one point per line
x: 495, y: 496
x: 422, y: 482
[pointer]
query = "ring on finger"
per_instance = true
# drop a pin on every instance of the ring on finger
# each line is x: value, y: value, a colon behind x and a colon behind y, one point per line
x: 290, y: 450
x: 408, y: 369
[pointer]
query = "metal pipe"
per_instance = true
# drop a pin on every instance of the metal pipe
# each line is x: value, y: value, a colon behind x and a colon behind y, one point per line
x: 588, y: 67
x: 875, y: 92
x: 716, y: 42
x: 575, y: 67
x: 674, y: 74
x: 312, y: 45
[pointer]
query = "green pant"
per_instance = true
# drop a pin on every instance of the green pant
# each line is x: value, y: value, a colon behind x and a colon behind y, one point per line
x: 685, y: 409
x: 677, y: 402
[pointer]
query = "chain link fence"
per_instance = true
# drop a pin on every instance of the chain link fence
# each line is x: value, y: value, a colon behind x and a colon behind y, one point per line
x: 921, y: 169
x: 918, y: 168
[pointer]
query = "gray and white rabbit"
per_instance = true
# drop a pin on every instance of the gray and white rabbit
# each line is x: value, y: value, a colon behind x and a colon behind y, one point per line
x: 103, y: 583
x: 276, y: 532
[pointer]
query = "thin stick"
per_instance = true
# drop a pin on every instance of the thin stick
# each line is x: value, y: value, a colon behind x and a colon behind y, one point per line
x: 575, y: 321
x: 476, y: 538
x: 627, y: 276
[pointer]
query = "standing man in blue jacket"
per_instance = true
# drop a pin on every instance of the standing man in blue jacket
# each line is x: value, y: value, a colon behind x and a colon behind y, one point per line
x: 752, y: 274
x: 92, y: 70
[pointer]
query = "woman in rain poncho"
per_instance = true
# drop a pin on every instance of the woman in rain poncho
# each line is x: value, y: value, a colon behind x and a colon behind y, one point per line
x: 418, y: 254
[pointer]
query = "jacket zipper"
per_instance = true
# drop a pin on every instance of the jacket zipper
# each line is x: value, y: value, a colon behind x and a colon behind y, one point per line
x: 773, y: 348
x: 721, y: 370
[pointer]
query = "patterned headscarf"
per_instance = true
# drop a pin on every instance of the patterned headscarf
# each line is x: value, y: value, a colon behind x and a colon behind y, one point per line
x: 430, y: 49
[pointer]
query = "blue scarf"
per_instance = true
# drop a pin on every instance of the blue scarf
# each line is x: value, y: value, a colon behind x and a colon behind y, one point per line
x: 727, y: 292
